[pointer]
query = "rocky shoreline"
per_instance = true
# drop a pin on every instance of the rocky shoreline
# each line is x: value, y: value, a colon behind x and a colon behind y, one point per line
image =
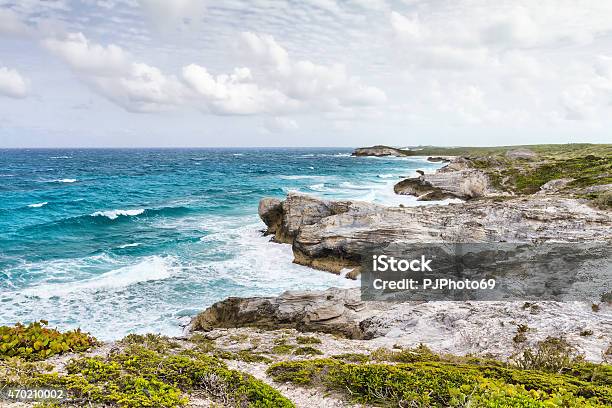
x: 304, y: 349
x: 332, y: 236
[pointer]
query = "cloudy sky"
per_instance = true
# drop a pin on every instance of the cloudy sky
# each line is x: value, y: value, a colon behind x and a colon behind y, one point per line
x: 304, y: 72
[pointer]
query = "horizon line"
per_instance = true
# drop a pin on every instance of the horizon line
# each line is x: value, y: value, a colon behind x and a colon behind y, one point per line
x: 281, y: 147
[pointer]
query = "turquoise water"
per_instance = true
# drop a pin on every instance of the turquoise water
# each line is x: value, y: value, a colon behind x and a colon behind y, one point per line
x: 118, y: 241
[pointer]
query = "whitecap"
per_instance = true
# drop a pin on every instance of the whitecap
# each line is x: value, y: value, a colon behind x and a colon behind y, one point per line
x: 238, y: 154
x: 152, y: 268
x: 61, y: 157
x: 352, y: 186
x: 311, y: 167
x: 318, y: 187
x: 113, y: 214
x: 132, y: 245
x: 37, y: 205
x: 64, y: 180
x: 384, y: 176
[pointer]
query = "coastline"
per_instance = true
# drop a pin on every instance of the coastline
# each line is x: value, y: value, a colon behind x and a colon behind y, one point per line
x: 268, y: 337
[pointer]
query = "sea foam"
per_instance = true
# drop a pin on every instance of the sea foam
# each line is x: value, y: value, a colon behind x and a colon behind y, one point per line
x: 64, y: 180
x: 37, y: 205
x: 152, y: 268
x: 113, y: 214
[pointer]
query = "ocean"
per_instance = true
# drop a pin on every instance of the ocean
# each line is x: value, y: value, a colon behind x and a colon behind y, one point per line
x: 119, y: 241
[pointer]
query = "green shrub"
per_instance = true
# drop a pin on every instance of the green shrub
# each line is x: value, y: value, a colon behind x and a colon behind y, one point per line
x: 552, y: 355
x: 37, y: 342
x: 352, y: 357
x: 307, y: 351
x: 202, y: 343
x: 243, y: 355
x: 307, y: 340
x: 155, y: 342
x: 409, y: 355
x: 282, y: 349
x: 442, y: 384
x: 142, y: 377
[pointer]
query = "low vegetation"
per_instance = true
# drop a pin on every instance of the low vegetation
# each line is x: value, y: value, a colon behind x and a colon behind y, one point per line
x: 560, y: 151
x: 143, y: 377
x: 525, y: 169
x: 158, y: 371
x: 429, y: 380
x: 37, y: 342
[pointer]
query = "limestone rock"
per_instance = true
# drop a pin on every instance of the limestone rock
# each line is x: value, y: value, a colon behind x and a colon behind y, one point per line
x: 335, y: 235
x: 271, y: 211
x: 334, y: 311
x: 464, y: 184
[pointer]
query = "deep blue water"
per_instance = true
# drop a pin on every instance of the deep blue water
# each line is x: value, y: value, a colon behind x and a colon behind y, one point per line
x: 119, y: 241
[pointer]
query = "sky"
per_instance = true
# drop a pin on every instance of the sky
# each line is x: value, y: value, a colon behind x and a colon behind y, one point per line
x: 181, y: 73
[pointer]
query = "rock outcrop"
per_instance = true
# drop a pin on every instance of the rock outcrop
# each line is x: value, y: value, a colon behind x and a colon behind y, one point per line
x: 334, y: 311
x: 379, y: 151
x: 440, y: 159
x: 453, y: 327
x: 331, y: 236
x: 284, y: 218
x: 455, y: 180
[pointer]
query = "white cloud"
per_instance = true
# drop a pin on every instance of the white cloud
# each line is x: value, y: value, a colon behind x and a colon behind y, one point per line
x: 12, y: 84
x: 274, y: 85
x: 233, y: 94
x: 322, y: 87
x: 408, y: 28
x: 87, y: 57
x: 142, y: 88
x: 277, y: 84
x: 109, y: 70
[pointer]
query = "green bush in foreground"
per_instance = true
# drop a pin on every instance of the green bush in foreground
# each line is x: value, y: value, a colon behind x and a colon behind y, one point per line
x: 442, y: 384
x: 37, y: 342
x: 141, y: 377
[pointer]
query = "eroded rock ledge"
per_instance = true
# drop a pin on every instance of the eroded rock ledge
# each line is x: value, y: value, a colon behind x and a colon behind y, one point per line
x: 458, y: 179
x: 453, y: 327
x: 333, y: 235
x: 332, y: 311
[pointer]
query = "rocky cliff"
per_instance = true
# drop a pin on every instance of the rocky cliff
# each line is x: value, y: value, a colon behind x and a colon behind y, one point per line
x: 333, y: 235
